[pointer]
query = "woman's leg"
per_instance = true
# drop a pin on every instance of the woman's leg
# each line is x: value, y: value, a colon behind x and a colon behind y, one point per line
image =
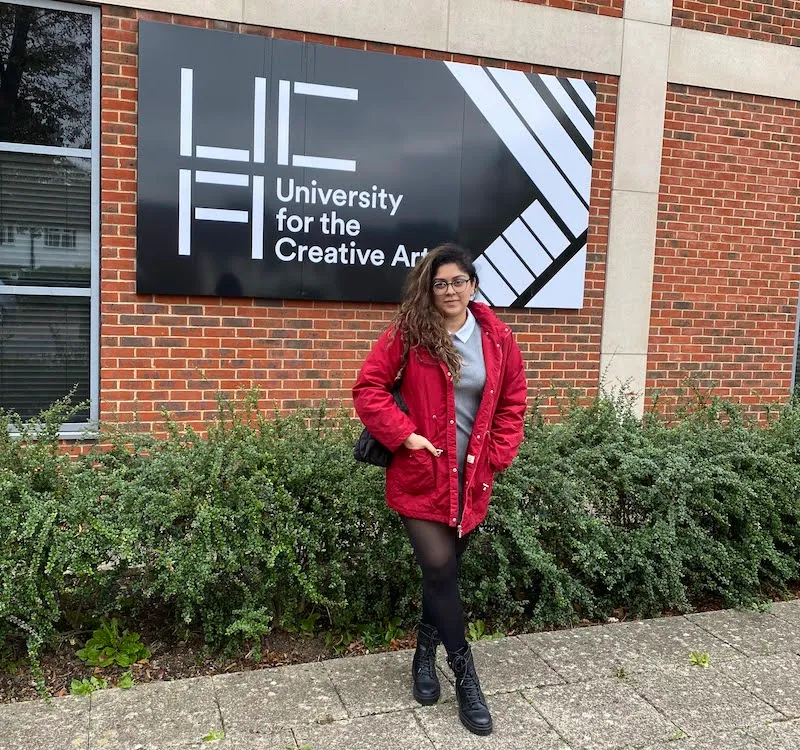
x: 437, y: 552
x: 427, y: 611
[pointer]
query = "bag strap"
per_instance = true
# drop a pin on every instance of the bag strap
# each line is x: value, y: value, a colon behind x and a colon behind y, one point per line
x: 403, y: 362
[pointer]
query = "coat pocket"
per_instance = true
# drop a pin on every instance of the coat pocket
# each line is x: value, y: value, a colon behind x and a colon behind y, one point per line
x: 415, y: 471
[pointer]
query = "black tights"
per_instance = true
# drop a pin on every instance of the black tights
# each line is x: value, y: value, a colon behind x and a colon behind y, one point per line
x: 438, y: 551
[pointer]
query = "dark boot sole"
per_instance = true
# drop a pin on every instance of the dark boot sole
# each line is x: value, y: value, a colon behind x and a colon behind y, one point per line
x: 480, y: 731
x: 425, y: 701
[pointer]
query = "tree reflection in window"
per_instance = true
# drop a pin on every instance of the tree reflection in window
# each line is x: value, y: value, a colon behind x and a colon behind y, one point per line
x: 45, y: 76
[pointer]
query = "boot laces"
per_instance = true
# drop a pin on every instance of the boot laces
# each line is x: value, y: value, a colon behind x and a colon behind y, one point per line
x: 468, y: 681
x: 427, y: 660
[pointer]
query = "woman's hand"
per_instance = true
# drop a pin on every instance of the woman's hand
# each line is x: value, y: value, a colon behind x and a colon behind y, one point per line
x: 416, y: 442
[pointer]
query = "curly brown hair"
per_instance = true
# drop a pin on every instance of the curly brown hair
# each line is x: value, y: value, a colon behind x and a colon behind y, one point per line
x: 417, y: 320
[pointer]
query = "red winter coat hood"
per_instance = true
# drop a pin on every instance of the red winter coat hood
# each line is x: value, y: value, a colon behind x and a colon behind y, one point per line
x: 418, y: 484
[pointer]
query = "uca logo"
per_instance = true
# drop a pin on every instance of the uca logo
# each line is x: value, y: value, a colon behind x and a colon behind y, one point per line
x: 283, y: 156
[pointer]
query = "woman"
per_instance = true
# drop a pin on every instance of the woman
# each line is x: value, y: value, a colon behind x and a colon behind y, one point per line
x: 462, y: 378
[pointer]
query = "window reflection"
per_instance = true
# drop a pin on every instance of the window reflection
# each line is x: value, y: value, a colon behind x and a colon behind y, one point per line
x: 44, y: 352
x: 45, y: 220
x: 45, y: 76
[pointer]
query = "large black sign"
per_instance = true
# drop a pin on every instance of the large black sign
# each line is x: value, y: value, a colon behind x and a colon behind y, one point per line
x: 271, y: 168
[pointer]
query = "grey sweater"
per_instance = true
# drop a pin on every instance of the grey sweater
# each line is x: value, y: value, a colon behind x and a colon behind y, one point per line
x: 469, y: 388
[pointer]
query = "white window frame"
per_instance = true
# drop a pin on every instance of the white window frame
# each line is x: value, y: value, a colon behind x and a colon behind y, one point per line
x: 77, y: 430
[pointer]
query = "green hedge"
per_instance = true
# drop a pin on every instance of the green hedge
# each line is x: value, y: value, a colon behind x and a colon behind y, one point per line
x: 264, y: 521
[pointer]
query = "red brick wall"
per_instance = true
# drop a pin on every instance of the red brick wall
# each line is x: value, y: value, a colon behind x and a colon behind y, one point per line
x: 777, y: 22
x: 726, y: 270
x: 601, y: 7
x: 177, y: 351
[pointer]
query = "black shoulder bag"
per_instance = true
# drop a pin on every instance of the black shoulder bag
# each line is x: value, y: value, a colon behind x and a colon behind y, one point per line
x: 367, y: 449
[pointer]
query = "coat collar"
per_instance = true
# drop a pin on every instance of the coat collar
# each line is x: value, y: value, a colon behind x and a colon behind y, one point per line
x: 488, y: 321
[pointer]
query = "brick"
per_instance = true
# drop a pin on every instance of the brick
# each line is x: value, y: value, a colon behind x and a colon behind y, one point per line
x: 604, y: 7
x: 772, y: 23
x: 732, y: 288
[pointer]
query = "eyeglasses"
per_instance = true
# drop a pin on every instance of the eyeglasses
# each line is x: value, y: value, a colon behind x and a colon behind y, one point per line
x: 459, y: 285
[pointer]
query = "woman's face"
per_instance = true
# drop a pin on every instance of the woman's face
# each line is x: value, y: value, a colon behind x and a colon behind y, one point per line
x: 448, y: 300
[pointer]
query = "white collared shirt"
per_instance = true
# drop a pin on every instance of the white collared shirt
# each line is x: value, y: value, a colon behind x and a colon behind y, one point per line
x: 466, y: 330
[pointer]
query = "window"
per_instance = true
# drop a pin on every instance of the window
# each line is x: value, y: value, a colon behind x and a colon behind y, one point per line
x: 61, y: 238
x: 49, y: 206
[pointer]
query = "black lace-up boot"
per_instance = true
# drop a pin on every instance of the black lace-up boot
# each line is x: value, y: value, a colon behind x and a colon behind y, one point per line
x: 472, y: 708
x: 426, y: 681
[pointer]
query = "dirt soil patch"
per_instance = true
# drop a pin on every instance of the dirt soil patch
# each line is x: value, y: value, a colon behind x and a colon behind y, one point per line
x: 173, y: 658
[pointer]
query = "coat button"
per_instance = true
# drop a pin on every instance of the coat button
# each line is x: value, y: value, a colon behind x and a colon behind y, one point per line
x: 451, y: 421
x: 448, y: 374
x: 454, y: 469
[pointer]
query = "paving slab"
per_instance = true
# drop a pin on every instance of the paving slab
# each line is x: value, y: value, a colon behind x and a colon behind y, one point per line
x: 517, y: 726
x: 264, y: 700
x: 787, y: 611
x: 601, y: 715
x: 168, y: 713
x: 737, y: 740
x: 278, y: 740
x: 671, y: 640
x: 702, y: 701
x: 378, y: 683
x: 784, y: 735
x: 752, y: 633
x: 33, y: 725
x: 506, y: 665
x: 587, y: 653
x: 395, y: 731
x: 774, y: 679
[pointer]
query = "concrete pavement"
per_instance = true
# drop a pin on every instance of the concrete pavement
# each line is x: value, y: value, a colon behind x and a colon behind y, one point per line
x: 623, y: 685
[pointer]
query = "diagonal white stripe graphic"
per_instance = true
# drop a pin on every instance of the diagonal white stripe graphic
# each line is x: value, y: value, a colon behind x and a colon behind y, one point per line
x: 585, y: 93
x: 521, y: 144
x: 481, y: 297
x: 548, y: 129
x: 509, y: 265
x: 526, y: 245
x: 545, y: 229
x: 496, y: 289
x: 565, y: 289
x: 574, y: 114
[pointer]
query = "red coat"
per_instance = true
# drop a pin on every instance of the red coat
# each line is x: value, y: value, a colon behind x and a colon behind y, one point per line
x: 418, y: 484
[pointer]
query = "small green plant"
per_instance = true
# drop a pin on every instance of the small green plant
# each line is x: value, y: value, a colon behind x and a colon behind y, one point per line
x: 699, y: 659
x: 339, y: 642
x: 678, y: 734
x: 107, y: 647
x: 477, y: 632
x: 213, y: 735
x: 87, y: 687
x: 765, y: 606
x: 126, y: 681
x: 393, y: 631
x: 308, y: 624
x: 381, y: 636
x: 620, y: 673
